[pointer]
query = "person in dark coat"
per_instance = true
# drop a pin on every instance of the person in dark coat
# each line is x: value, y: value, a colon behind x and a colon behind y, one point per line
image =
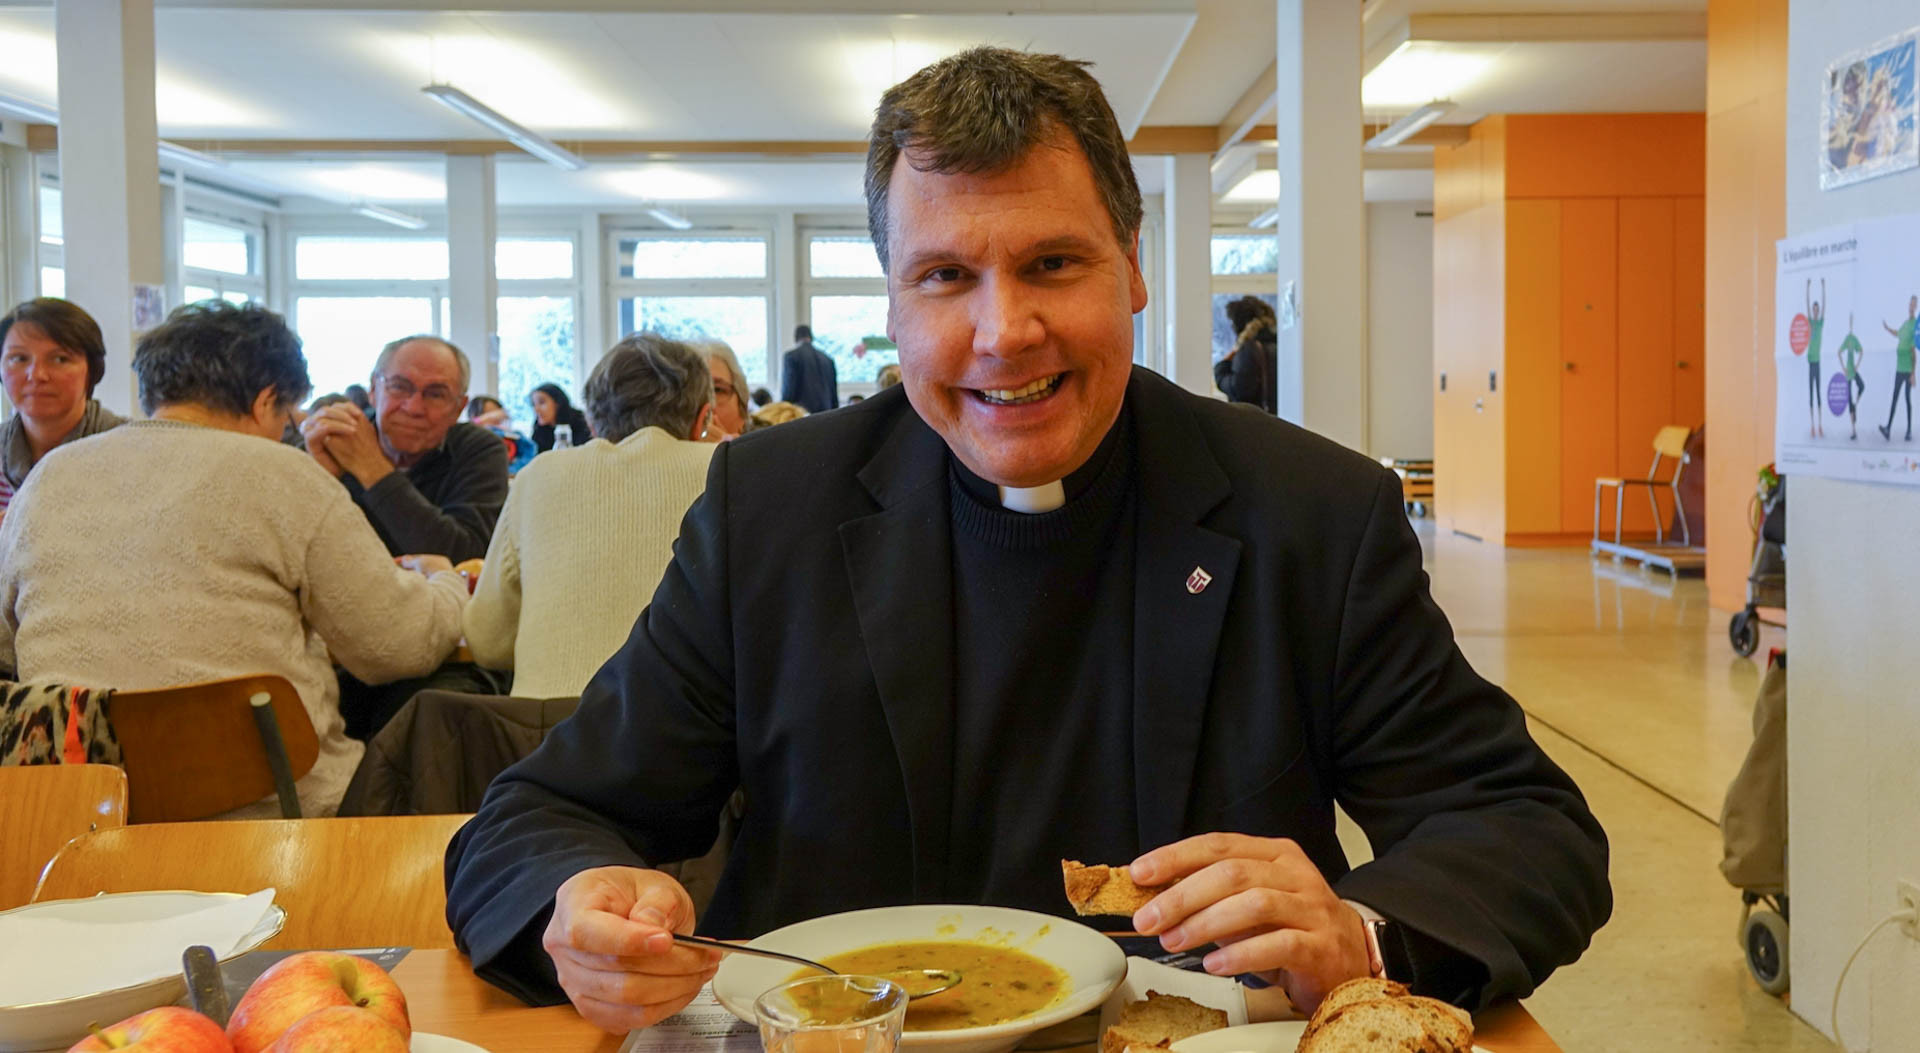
x: 807, y: 376
x: 1246, y: 374
x: 552, y: 407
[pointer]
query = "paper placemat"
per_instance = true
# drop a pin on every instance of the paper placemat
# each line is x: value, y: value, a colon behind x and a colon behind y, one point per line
x: 105, y: 943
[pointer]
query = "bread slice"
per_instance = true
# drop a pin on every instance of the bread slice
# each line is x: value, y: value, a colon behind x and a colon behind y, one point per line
x: 1160, y: 1021
x: 1370, y: 1014
x: 1364, y: 989
x: 1104, y: 889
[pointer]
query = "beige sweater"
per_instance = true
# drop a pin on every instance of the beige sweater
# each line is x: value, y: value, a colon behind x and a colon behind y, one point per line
x: 163, y: 553
x: 581, y: 545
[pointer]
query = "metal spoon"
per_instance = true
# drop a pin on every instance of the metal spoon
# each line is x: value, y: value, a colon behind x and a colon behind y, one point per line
x: 918, y: 983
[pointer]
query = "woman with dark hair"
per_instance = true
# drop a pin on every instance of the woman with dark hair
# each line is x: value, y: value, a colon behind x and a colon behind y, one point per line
x: 1247, y: 373
x: 51, y: 358
x: 552, y: 407
x: 192, y: 546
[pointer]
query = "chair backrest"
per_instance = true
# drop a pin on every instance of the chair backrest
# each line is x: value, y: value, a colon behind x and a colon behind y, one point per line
x: 371, y: 882
x: 44, y: 806
x: 195, y: 751
x: 1671, y: 441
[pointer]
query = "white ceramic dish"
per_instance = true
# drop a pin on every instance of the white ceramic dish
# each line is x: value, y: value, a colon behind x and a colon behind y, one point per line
x: 1279, y: 1036
x: 424, y: 1043
x: 59, y: 1024
x: 1093, y: 963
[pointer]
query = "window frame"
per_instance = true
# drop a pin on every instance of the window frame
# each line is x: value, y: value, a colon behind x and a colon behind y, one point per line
x: 811, y: 286
x: 622, y: 288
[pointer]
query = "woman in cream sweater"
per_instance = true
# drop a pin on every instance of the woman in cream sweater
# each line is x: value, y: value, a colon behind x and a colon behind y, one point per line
x: 587, y: 532
x: 194, y: 546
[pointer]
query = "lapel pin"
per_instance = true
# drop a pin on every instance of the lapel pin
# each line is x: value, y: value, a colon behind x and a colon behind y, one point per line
x: 1198, y: 581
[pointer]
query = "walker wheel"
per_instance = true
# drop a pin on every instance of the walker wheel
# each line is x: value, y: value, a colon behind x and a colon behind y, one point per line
x: 1766, y: 941
x: 1744, y: 633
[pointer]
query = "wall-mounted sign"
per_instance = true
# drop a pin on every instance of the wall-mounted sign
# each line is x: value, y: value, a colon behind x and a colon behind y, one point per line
x: 1869, y: 114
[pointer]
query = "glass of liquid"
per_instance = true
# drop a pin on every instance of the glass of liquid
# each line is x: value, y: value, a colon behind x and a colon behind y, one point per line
x: 832, y: 1014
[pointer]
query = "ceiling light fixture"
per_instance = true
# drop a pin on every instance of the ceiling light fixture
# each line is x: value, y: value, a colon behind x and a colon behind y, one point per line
x: 519, y: 135
x: 669, y: 217
x: 388, y: 215
x: 1407, y: 127
x: 1269, y: 218
x: 28, y: 110
x: 183, y: 156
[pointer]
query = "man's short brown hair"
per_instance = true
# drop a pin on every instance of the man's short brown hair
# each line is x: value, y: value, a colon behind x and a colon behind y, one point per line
x: 981, y: 111
x: 67, y: 326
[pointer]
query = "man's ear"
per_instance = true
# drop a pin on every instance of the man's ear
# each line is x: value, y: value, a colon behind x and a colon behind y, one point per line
x: 266, y: 409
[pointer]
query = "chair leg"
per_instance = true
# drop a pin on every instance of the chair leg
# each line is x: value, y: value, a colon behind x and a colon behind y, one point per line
x: 276, y: 748
x: 1619, y: 512
x: 1680, y: 513
x: 1596, y: 510
x: 1659, y: 531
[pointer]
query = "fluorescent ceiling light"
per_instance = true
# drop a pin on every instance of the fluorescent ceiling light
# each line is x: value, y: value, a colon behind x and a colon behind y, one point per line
x: 28, y: 110
x: 1262, y: 184
x: 525, y: 138
x: 180, y: 155
x: 1269, y: 218
x: 1419, y: 70
x: 387, y: 215
x: 669, y: 217
x: 1406, y: 127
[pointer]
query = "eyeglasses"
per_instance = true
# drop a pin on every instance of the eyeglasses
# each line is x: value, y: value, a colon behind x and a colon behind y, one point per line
x: 437, y: 396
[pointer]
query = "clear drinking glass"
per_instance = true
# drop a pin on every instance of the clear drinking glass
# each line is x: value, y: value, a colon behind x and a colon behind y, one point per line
x: 832, y: 1014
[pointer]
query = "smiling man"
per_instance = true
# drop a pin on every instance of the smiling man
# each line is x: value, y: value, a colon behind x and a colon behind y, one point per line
x: 427, y: 483
x: 1036, y: 604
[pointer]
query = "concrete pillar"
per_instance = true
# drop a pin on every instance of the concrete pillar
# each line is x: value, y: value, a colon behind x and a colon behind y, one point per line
x: 173, y: 237
x: 472, y: 287
x: 1189, y: 272
x: 1322, y: 229
x: 109, y: 172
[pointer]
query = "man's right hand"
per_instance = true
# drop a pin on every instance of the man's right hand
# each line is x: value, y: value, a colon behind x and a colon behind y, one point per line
x: 611, y: 940
x: 317, y: 446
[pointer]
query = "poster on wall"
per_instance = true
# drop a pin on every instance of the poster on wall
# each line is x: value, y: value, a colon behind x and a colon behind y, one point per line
x: 1869, y: 113
x: 1845, y: 304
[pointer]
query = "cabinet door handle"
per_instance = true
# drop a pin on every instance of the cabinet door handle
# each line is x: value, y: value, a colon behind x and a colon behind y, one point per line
x: 1479, y: 405
x: 1569, y: 366
x: 1683, y: 363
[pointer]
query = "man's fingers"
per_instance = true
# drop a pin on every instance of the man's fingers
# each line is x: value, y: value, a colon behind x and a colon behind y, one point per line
x: 620, y: 1018
x: 603, y: 932
x: 1216, y: 881
x: 681, y: 961
x: 659, y: 907
x: 1183, y: 857
x: 1288, y: 949
x: 626, y: 988
x: 1255, y: 909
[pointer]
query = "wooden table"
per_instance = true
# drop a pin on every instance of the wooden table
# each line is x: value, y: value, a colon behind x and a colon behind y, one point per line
x: 445, y: 998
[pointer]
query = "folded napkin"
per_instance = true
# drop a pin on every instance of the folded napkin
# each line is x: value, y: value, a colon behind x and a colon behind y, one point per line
x: 71, y: 948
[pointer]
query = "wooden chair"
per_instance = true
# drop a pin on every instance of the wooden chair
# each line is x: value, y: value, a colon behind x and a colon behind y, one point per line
x: 202, y: 749
x: 1669, y: 443
x: 42, y: 808
x: 371, y: 882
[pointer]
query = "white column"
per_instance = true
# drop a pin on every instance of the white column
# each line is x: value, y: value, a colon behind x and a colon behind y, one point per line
x: 16, y: 172
x: 173, y: 237
x: 1189, y: 272
x: 594, y: 317
x: 472, y: 289
x: 789, y: 273
x: 109, y: 172
x: 1322, y: 228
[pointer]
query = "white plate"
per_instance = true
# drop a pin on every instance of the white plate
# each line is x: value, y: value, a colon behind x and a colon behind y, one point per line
x: 59, y: 1024
x: 1279, y: 1036
x: 1093, y: 963
x: 425, y: 1043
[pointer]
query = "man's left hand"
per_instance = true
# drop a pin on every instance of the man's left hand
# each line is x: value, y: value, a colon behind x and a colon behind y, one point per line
x: 1264, y: 902
x: 349, y: 439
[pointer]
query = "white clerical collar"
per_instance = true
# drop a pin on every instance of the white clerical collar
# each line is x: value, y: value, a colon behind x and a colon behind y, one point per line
x: 1034, y: 500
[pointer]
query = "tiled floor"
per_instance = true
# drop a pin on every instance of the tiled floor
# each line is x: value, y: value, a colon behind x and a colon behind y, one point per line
x: 1635, y: 691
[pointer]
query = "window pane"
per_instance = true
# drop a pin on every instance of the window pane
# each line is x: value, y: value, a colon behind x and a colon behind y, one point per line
x: 370, y: 258
x: 236, y: 296
x: 53, y: 281
x: 1246, y: 254
x: 521, y: 258
x: 693, y: 258
x: 741, y: 321
x: 839, y: 323
x: 1224, y: 338
x: 218, y: 247
x: 843, y: 257
x: 197, y: 293
x: 342, y: 335
x: 51, y: 229
x: 536, y: 347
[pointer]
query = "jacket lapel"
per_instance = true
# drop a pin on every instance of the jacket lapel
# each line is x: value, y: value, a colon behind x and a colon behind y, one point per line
x: 900, y: 567
x: 1184, y: 576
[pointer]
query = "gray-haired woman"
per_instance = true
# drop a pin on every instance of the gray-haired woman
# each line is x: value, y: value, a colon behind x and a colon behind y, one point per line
x: 587, y: 532
x: 195, y: 546
x: 731, y: 416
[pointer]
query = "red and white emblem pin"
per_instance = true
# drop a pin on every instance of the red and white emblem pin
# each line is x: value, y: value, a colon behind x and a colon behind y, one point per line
x: 1198, y: 581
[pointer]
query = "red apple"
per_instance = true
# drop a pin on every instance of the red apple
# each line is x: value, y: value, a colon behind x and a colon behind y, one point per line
x: 168, y: 1029
x: 341, y: 1029
x: 309, y: 982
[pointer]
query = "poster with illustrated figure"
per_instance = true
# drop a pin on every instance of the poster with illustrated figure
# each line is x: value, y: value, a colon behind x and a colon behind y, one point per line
x: 1845, y: 305
x: 1870, y: 114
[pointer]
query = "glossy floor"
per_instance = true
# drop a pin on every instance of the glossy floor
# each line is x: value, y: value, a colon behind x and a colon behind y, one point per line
x: 1633, y: 689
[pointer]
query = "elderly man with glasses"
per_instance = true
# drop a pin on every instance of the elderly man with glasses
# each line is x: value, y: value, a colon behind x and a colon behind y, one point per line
x: 427, y: 483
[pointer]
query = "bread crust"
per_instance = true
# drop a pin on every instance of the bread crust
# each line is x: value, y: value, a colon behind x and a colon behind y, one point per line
x: 1370, y: 1014
x: 1103, y: 889
x: 1158, y: 1022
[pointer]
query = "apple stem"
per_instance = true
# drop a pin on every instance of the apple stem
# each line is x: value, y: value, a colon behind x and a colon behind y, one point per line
x: 105, y: 1039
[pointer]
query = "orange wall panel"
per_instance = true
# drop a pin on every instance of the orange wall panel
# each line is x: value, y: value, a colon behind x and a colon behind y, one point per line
x: 1689, y: 311
x: 1605, y: 155
x: 1589, y: 305
x: 1644, y: 400
x: 1532, y: 375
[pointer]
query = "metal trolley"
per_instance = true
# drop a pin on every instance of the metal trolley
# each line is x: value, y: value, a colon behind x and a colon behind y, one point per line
x: 1767, y: 576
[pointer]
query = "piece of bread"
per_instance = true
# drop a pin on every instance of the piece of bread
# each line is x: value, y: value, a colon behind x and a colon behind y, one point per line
x: 1159, y: 1022
x: 1104, y: 889
x: 1368, y: 1014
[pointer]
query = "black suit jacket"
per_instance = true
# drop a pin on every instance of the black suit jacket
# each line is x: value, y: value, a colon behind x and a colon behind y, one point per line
x: 800, y: 646
x: 808, y: 378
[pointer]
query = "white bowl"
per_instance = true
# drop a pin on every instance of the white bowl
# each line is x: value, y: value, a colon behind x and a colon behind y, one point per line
x: 59, y: 1024
x: 1093, y: 963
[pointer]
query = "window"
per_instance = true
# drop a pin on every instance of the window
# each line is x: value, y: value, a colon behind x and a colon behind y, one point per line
x: 51, y: 225
x: 846, y: 296
x: 536, y: 347
x: 342, y: 335
x: 218, y: 247
x: 843, y: 256
x: 324, y: 258
x: 690, y: 286
x: 223, y: 258
x: 680, y: 258
x: 740, y: 321
x: 1245, y: 254
x: 53, y: 281
x: 520, y: 259
x: 1243, y: 265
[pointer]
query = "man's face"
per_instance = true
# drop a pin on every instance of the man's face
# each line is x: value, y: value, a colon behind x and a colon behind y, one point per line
x: 418, y: 398
x: 1012, y: 302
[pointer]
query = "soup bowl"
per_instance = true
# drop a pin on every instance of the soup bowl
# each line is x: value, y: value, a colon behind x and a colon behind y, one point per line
x: 1093, y: 964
